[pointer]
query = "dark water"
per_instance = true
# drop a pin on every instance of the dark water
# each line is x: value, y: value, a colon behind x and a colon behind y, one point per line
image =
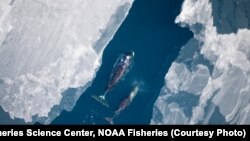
x: 150, y: 31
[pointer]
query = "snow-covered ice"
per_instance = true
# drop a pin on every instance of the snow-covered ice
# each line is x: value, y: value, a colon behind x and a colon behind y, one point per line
x: 47, y: 47
x: 213, y: 66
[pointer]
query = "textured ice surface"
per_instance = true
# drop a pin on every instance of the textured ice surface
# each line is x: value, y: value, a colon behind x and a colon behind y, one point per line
x: 47, y: 47
x: 214, y: 66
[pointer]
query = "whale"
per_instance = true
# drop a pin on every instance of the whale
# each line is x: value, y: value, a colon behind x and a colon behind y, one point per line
x: 119, y: 70
x: 123, y: 104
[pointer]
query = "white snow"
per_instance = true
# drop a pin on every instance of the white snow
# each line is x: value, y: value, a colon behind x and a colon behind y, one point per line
x: 48, y: 46
x: 228, y: 85
x: 184, y: 80
x: 170, y: 113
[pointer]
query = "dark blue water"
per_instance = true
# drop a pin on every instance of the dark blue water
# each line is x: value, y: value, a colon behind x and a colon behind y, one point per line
x: 150, y: 31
